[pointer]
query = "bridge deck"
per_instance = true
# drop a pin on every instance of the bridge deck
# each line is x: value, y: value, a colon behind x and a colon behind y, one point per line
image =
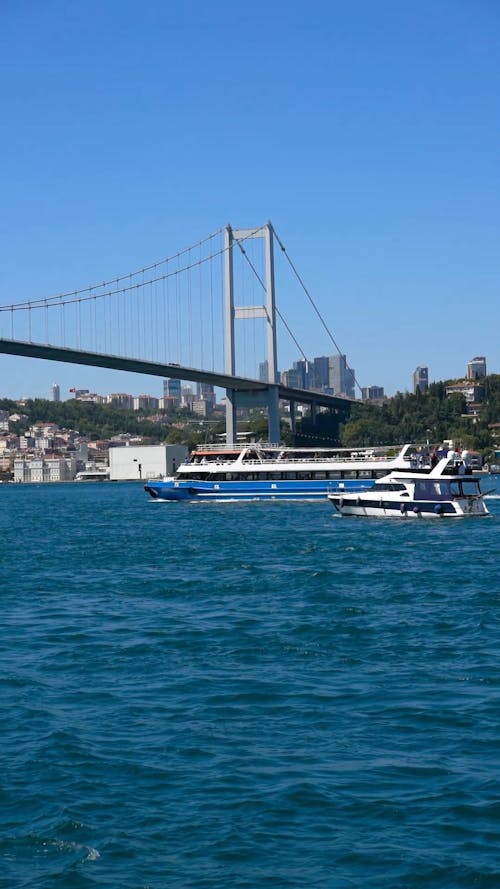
x: 174, y: 371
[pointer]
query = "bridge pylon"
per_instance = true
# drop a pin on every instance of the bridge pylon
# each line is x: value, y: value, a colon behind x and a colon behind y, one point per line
x: 267, y: 311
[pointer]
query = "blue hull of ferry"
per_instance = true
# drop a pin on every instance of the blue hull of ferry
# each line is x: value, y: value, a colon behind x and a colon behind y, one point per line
x: 251, y: 490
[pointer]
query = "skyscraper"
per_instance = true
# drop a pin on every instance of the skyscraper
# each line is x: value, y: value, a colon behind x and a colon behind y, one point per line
x: 172, y: 390
x: 372, y: 393
x: 341, y: 377
x: 476, y: 368
x: 420, y: 379
x: 319, y: 373
x: 55, y: 392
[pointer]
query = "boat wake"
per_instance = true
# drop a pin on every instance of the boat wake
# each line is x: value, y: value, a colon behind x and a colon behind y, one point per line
x: 66, y: 846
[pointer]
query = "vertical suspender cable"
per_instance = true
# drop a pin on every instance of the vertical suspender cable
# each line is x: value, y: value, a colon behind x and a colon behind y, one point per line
x: 190, y: 313
x: 212, y: 331
x: 201, y: 321
x: 166, y: 311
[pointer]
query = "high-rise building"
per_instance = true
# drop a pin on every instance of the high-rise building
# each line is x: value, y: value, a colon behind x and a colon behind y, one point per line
x: 145, y: 402
x: 319, y: 373
x: 187, y: 397
x: 420, y: 379
x: 301, y: 369
x: 172, y: 390
x: 207, y: 393
x: 55, y: 392
x: 121, y: 399
x: 476, y: 368
x: 341, y: 377
x: 264, y: 371
x: 371, y: 393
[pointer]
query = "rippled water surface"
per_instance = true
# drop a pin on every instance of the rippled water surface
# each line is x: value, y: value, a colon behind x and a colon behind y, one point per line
x: 245, y: 695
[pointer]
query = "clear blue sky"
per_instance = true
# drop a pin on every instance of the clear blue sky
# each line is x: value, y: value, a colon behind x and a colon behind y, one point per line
x: 367, y: 132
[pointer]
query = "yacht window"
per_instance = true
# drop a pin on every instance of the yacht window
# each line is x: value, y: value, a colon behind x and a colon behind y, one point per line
x: 319, y: 474
x: 349, y: 473
x: 430, y: 490
x: 334, y: 473
x: 364, y: 473
x: 462, y: 488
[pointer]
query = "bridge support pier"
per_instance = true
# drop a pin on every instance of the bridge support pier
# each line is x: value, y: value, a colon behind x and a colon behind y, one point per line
x: 292, y: 420
x: 273, y: 409
x: 268, y: 398
x: 231, y: 416
x: 266, y: 311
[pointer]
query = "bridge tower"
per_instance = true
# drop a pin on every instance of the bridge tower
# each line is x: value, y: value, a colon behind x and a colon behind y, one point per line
x: 266, y: 311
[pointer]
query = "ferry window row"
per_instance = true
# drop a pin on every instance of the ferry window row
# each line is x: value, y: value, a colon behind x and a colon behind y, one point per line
x: 313, y: 475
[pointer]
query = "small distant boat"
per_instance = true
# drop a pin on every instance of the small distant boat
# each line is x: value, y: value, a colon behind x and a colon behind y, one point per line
x: 448, y: 490
x: 92, y: 475
x: 494, y: 469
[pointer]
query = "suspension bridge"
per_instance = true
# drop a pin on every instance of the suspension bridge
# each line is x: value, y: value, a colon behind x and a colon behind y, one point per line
x: 179, y: 317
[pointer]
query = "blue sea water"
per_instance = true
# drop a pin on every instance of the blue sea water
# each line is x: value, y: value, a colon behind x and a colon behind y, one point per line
x: 245, y: 695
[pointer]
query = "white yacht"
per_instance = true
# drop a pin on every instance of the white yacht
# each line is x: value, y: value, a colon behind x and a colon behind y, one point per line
x: 447, y: 490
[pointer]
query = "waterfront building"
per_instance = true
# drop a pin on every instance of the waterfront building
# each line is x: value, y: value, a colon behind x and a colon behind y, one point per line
x: 476, y: 368
x: 420, y: 379
x: 44, y: 469
x: 145, y: 462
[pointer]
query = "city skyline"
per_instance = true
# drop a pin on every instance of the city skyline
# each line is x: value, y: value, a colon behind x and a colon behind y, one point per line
x: 302, y: 374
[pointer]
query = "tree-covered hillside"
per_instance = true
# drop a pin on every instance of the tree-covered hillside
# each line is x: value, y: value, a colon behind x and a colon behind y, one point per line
x: 430, y: 416
x: 98, y: 421
x: 419, y: 417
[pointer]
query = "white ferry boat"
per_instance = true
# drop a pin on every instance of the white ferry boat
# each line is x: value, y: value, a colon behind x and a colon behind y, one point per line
x: 450, y: 489
x: 92, y: 475
x: 273, y: 472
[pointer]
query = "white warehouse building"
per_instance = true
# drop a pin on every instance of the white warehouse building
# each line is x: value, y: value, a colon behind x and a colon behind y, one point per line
x: 147, y: 461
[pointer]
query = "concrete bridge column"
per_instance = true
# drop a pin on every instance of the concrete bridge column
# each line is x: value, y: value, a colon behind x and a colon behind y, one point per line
x: 273, y: 421
x: 292, y: 420
x: 230, y: 416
